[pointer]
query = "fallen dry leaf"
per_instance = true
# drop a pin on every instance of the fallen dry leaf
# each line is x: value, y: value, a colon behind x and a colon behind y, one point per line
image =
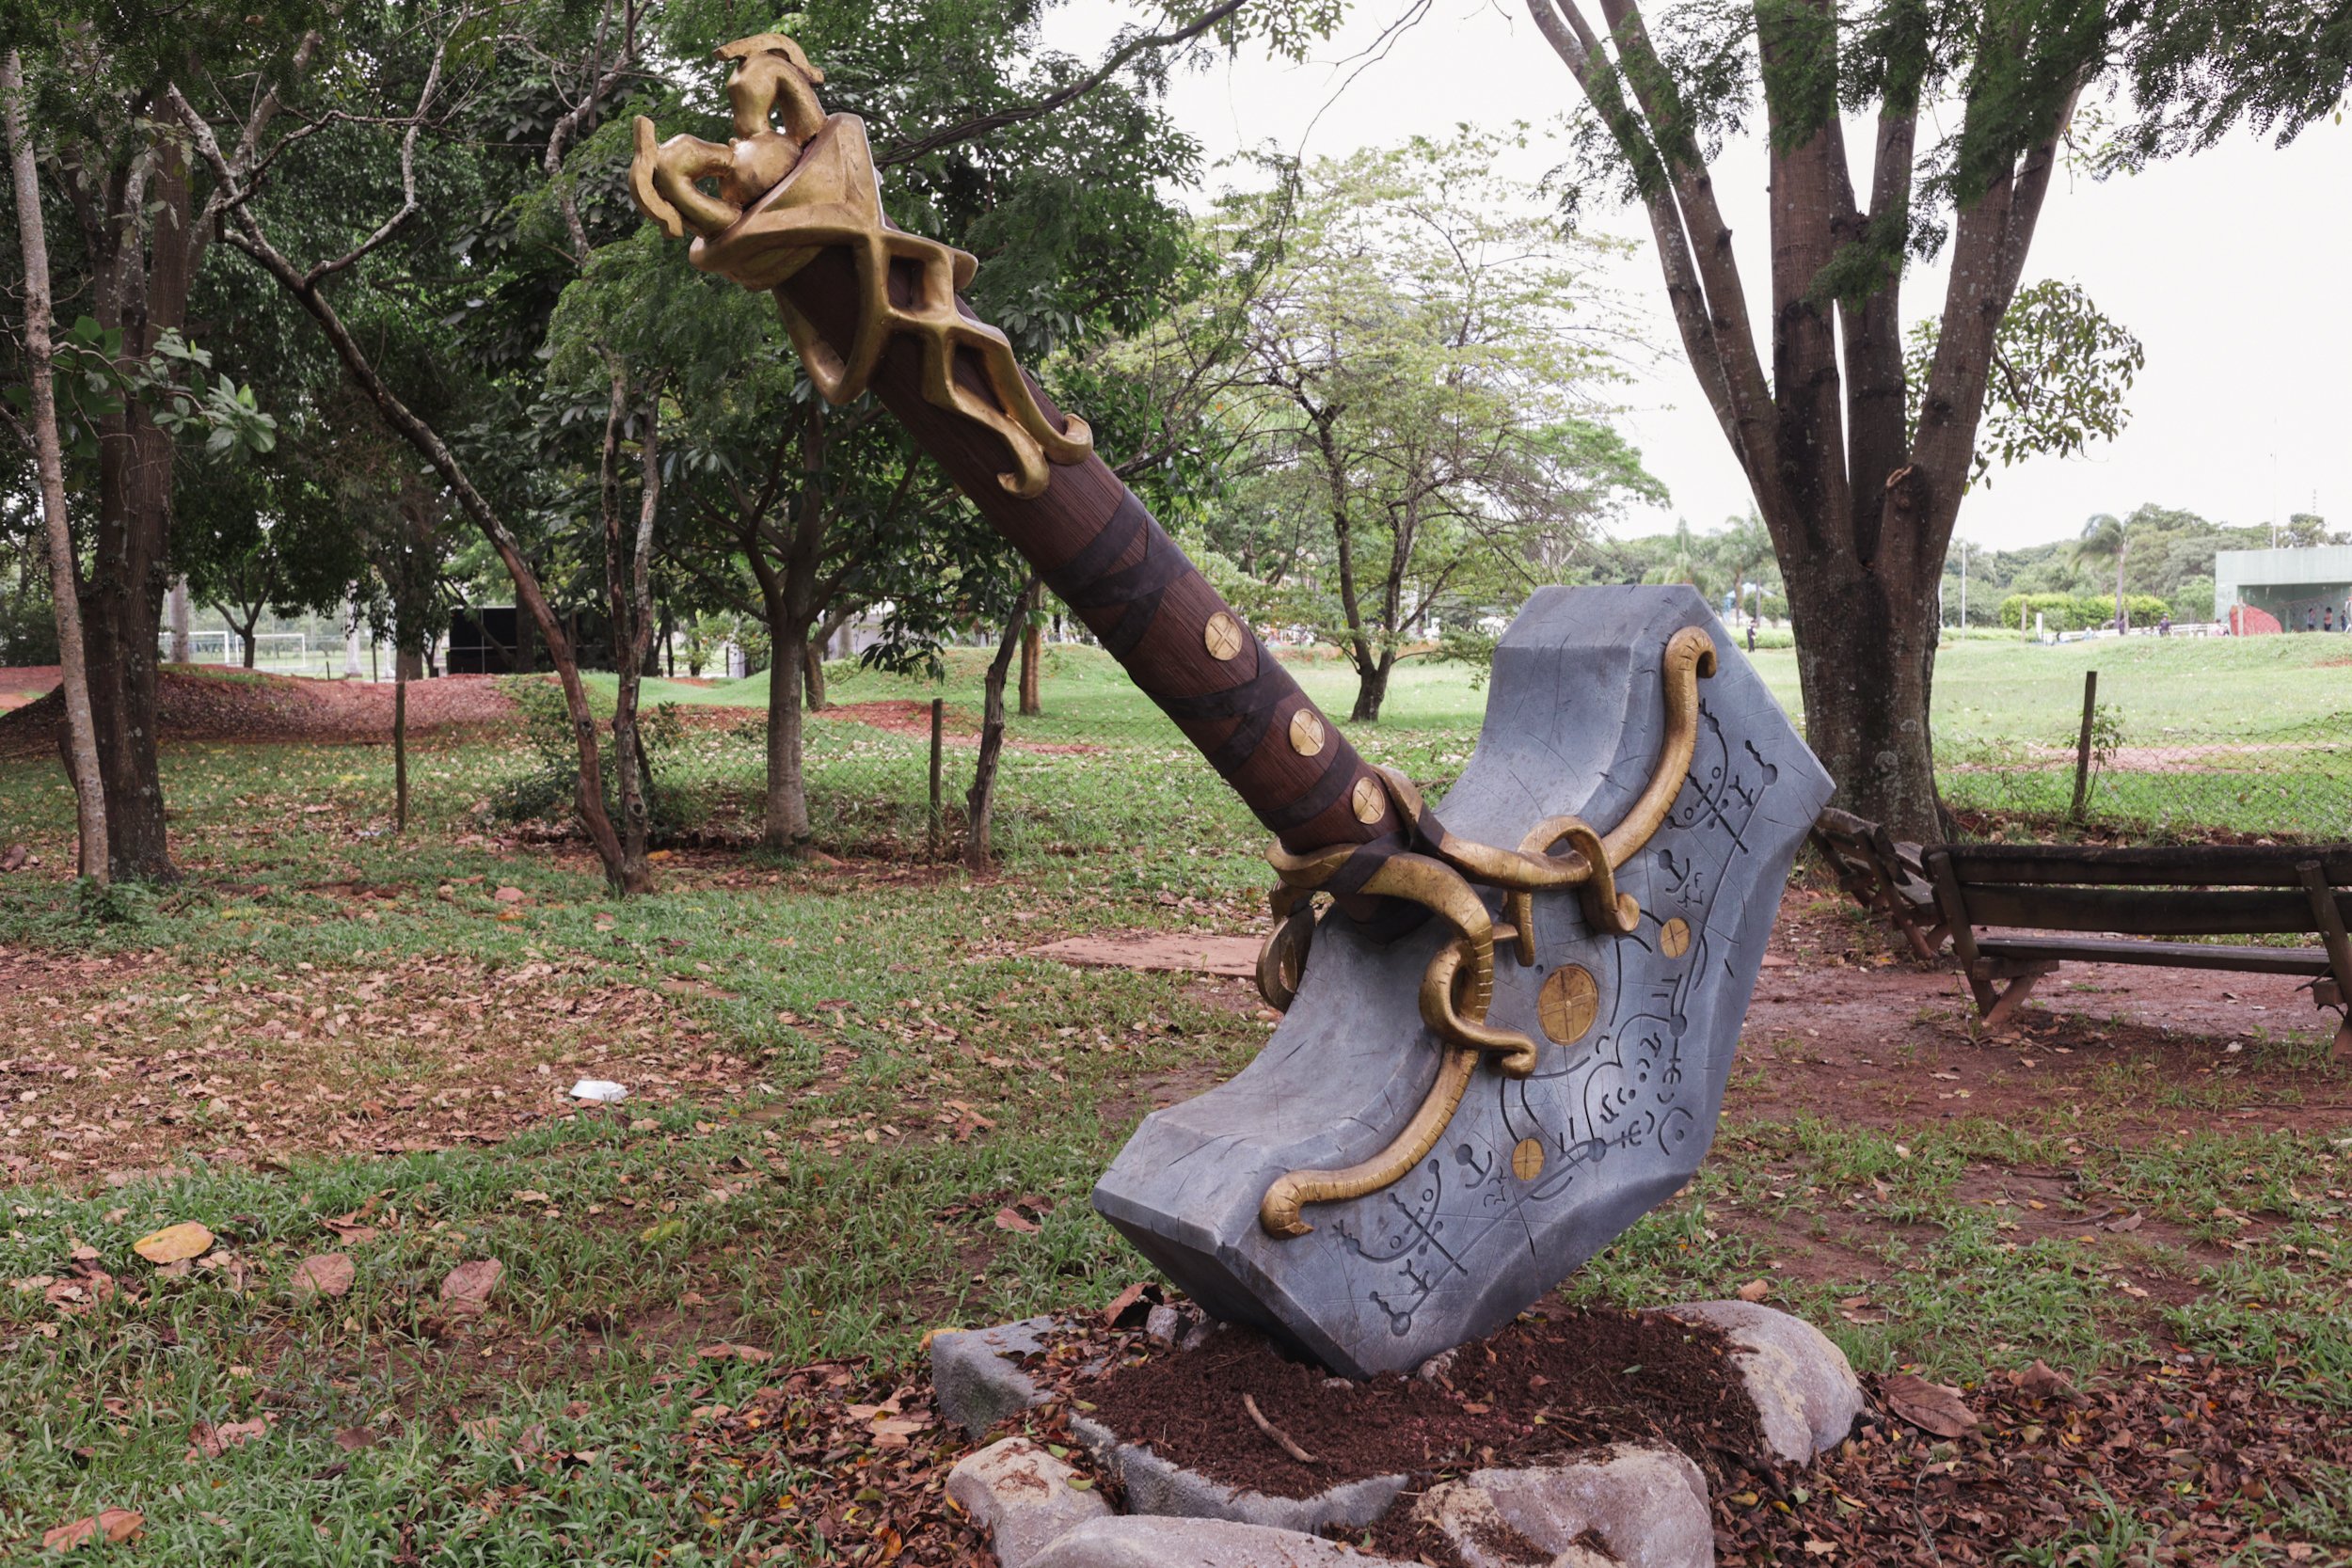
x: 174, y: 1244
x: 467, y: 1287
x: 2042, y: 1379
x: 1009, y: 1219
x: 1755, y: 1289
x: 116, y: 1525
x: 1930, y: 1406
x: 1120, y: 1302
x: 733, y: 1352
x: 508, y: 895
x: 206, y: 1441
x: 323, y: 1274
x: 352, y: 1439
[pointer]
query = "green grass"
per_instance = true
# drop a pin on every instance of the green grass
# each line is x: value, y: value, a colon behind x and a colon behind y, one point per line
x: 848, y: 1003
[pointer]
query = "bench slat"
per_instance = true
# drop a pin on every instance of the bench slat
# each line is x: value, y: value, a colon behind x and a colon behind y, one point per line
x: 2168, y: 954
x: 2144, y: 912
x: 2140, y: 865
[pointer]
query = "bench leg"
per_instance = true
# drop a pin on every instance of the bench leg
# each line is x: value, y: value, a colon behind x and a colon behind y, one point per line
x: 2000, y: 1006
x: 2327, y: 994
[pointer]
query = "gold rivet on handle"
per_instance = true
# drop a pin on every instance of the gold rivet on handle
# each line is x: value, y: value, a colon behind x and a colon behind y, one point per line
x: 1222, y: 636
x: 1567, y: 1004
x: 1674, y: 938
x: 1306, y: 732
x: 1527, y: 1160
x: 1369, y: 801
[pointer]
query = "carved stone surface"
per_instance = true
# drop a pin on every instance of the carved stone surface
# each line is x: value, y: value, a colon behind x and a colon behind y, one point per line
x: 1533, y: 1176
x: 1806, y: 1391
x: 1153, y: 1485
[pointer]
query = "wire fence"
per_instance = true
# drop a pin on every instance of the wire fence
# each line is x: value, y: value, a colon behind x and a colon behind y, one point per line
x: 2143, y: 764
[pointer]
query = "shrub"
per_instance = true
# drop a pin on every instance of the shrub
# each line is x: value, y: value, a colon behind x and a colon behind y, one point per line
x: 552, y: 783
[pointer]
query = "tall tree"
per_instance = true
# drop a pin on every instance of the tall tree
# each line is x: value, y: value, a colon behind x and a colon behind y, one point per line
x: 2105, y: 540
x: 1424, y: 372
x: 81, y: 734
x: 121, y: 171
x: 1860, y: 498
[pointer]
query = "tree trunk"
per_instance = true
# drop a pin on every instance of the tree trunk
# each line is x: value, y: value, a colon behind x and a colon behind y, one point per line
x: 627, y: 587
x: 1865, y: 664
x: 244, y: 634
x: 785, y: 825
x: 404, y: 664
x: 813, y: 672
x: 183, y: 632
x: 981, y: 800
x: 1372, y: 685
x: 1032, y: 667
x: 81, y: 736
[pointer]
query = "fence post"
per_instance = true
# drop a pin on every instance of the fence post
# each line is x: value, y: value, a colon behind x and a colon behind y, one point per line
x: 2082, y: 746
x: 939, y: 707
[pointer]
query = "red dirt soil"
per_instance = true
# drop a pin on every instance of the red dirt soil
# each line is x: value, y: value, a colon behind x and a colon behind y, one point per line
x: 219, y: 704
x: 905, y: 716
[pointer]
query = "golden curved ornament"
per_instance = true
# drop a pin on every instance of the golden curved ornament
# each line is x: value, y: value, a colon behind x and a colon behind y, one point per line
x: 1458, y: 986
x: 784, y: 196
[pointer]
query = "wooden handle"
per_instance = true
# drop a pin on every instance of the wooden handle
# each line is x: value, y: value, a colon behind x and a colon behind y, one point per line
x: 1100, y: 549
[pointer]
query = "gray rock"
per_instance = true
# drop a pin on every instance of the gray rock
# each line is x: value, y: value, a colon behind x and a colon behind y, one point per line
x: 973, y: 1378
x: 1164, y: 1323
x: 1156, y: 1486
x: 1138, y: 1542
x: 1647, y: 1506
x: 1803, y: 1386
x: 1023, y: 1496
x: 1533, y: 1175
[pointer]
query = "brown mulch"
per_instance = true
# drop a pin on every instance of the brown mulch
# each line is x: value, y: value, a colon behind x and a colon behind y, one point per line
x: 219, y: 704
x: 2181, y: 1462
x: 1552, y: 1384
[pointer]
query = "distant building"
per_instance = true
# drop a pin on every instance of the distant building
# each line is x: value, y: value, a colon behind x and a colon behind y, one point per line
x: 2268, y: 590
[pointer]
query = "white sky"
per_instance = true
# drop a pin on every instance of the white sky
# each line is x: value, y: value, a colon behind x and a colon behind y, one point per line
x: 2228, y: 266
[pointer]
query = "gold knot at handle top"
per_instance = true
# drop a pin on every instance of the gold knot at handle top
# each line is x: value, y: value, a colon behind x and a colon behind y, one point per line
x: 796, y: 181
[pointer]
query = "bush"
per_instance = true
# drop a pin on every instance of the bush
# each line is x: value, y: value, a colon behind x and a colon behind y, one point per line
x: 2079, y: 612
x: 28, y: 629
x: 549, y: 789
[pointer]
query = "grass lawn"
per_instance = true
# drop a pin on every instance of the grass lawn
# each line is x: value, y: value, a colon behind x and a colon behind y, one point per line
x: 859, y: 1111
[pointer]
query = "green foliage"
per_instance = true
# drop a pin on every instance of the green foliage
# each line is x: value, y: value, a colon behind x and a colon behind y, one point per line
x: 2079, y: 612
x: 547, y: 789
x: 94, y: 379
x: 2194, y: 599
x: 1406, y: 371
x: 2061, y: 371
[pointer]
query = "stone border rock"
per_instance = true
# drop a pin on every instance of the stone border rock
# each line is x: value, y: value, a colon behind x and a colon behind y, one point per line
x: 976, y: 1383
x: 1806, y: 1391
x: 1647, y: 1507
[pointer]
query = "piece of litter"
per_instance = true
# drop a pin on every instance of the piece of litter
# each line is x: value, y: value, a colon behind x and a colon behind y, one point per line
x: 598, y: 1089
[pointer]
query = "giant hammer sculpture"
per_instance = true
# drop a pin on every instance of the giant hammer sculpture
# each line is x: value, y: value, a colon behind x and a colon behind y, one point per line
x: 1506, y: 1033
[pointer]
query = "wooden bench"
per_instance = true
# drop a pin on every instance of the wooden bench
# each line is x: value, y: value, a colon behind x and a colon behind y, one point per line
x: 1885, y: 876
x: 2142, y: 892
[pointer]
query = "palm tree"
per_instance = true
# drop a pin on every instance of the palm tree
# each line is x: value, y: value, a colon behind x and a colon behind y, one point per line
x: 2104, y: 539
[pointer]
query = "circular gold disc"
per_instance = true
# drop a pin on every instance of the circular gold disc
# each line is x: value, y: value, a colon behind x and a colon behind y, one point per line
x: 1674, y: 938
x: 1527, y: 1160
x: 1567, y: 1003
x: 1306, y: 732
x: 1222, y: 636
x: 1368, y: 801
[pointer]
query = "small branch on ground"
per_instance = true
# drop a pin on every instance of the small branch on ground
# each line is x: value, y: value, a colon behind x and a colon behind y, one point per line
x: 1282, y: 1438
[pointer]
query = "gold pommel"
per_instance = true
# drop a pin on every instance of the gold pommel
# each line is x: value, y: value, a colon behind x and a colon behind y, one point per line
x: 795, y: 181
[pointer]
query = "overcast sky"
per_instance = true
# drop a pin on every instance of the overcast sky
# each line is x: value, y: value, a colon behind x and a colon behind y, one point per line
x: 2229, y: 266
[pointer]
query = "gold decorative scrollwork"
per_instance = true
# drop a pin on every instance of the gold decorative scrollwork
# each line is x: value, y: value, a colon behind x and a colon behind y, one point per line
x: 785, y: 195
x: 1436, y: 873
